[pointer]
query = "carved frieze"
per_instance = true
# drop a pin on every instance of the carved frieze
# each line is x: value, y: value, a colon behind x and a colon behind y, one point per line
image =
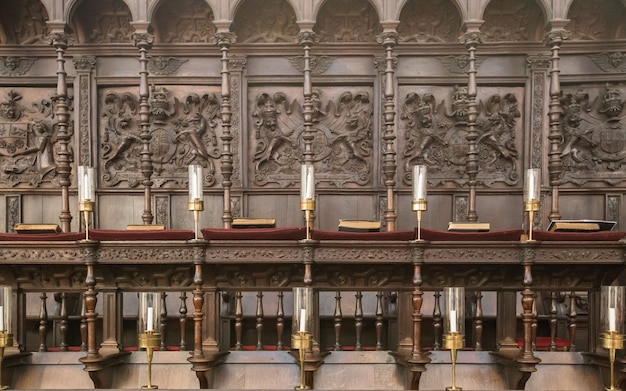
x: 513, y: 20
x: 439, y: 21
x: 119, y: 254
x: 594, y: 139
x: 15, y: 66
x: 435, y: 135
x: 241, y: 253
x: 157, y: 276
x: 596, y: 19
x: 183, y: 130
x: 265, y: 21
x: 164, y: 65
x: 347, y: 21
x: 459, y: 64
x: 24, y: 22
x: 342, y: 138
x: 363, y: 254
x: 104, y: 21
x: 184, y: 21
x: 610, y: 62
x: 28, y: 138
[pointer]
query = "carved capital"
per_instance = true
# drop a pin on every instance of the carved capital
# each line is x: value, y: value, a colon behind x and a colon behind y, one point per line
x: 388, y: 38
x: 84, y: 63
x: 225, y: 38
x: 60, y: 40
x: 472, y: 39
x: 143, y: 40
x: 556, y: 37
x: 237, y: 64
x: 539, y: 62
x: 307, y: 38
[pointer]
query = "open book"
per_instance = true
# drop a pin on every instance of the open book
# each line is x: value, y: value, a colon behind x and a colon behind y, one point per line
x: 254, y: 223
x: 468, y: 227
x: 359, y: 225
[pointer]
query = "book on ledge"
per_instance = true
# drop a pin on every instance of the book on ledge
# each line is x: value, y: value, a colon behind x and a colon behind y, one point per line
x: 37, y: 228
x: 254, y: 223
x: 583, y: 225
x: 359, y: 225
x: 468, y: 227
x: 145, y: 227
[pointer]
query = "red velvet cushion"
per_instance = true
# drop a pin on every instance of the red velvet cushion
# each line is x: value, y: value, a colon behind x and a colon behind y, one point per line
x: 436, y: 235
x: 348, y: 235
x: 168, y: 234
x: 286, y: 233
x: 579, y: 236
x: 66, y: 236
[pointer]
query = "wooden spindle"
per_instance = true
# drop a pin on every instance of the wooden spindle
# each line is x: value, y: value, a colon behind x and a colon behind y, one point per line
x: 238, y: 321
x: 379, y: 320
x: 83, y: 324
x: 478, y: 321
x: 571, y: 321
x: 358, y: 320
x: 63, y: 322
x: 553, y: 321
x: 163, y: 322
x: 259, y: 320
x: 182, y: 311
x: 337, y: 320
x: 280, y: 321
x: 437, y: 321
x: 43, y: 323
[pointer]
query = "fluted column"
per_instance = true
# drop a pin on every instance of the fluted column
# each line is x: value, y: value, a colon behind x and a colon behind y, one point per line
x: 554, y: 39
x: 60, y: 41
x: 144, y: 42
x: 389, y: 40
x: 471, y: 40
x: 224, y: 41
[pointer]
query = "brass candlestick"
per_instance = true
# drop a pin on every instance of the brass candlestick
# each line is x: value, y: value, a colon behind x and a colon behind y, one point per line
x: 196, y: 206
x: 5, y: 340
x: 453, y: 341
x: 531, y: 206
x: 419, y: 206
x: 612, y: 341
x: 301, y: 341
x: 149, y: 340
x: 86, y: 206
x: 308, y: 206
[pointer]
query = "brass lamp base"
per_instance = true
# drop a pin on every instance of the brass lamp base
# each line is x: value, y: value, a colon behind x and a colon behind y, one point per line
x: 454, y: 342
x: 149, y: 340
x: 612, y: 341
x: 5, y: 340
x: 301, y: 341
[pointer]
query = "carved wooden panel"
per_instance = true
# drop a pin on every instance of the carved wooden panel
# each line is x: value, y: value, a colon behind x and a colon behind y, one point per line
x: 183, y: 21
x: 28, y: 141
x: 347, y: 21
x: 596, y: 19
x: 184, y: 130
x: 103, y: 21
x: 265, y: 21
x: 429, y: 21
x: 513, y: 20
x: 24, y: 22
x: 343, y: 143
x: 433, y: 130
x: 593, y: 150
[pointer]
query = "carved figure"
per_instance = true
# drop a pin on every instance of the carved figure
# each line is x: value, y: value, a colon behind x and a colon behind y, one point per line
x: 120, y: 143
x: 199, y: 124
x: 423, y: 128
x: 573, y: 105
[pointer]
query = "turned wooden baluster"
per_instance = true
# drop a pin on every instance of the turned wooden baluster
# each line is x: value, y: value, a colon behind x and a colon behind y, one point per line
x: 379, y: 321
x: 63, y: 322
x: 83, y: 324
x: 478, y: 321
x: 182, y: 310
x: 280, y: 321
x: 43, y: 323
x: 571, y: 321
x: 163, y: 322
x: 259, y: 320
x: 238, y: 321
x: 553, y: 321
x: 437, y: 321
x: 358, y: 320
x: 337, y: 318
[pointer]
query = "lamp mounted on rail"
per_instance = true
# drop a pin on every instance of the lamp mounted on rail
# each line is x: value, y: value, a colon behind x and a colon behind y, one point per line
x: 301, y: 336
x: 147, y: 325
x: 613, y: 299
x: 86, y: 193
x: 196, y: 203
x: 307, y: 195
x: 454, y: 326
x: 419, y: 203
x: 532, y: 185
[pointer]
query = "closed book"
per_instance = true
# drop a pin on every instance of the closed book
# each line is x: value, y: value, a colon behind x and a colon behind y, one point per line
x: 145, y: 227
x: 468, y: 227
x: 359, y: 225
x: 583, y: 225
x: 37, y: 228
x: 254, y: 223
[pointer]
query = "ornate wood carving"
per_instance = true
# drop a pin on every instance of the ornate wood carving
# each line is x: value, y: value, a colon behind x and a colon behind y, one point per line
x: 439, y: 21
x: 609, y: 62
x: 162, y: 65
x: 112, y: 18
x: 16, y: 66
x: 347, y: 21
x: 513, y: 20
x: 24, y: 22
x: 265, y: 21
x: 342, y: 142
x: 184, y: 21
x: 13, y: 208
x: 595, y: 19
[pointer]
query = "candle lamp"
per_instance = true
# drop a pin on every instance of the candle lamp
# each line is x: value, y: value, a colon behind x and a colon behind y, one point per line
x: 612, y: 322
x: 301, y: 336
x: 454, y: 326
x: 195, y: 203
x: 419, y: 203
x: 307, y: 195
x: 6, y: 336
x: 147, y: 325
x: 532, y: 185
x: 86, y: 193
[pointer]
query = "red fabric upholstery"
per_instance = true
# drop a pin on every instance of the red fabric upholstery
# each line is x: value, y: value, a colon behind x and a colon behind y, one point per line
x: 579, y: 236
x: 436, y: 235
x: 286, y: 233
x: 366, y: 236
x: 121, y: 235
x: 62, y: 236
x: 543, y: 343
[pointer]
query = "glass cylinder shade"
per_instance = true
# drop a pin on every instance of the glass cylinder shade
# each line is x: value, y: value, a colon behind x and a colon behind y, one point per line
x: 419, y: 182
x: 5, y: 309
x: 612, y: 309
x: 86, y: 183
x: 302, y: 310
x: 149, y: 312
x: 532, y: 184
x: 307, y: 183
x: 454, y: 321
x: 195, y: 183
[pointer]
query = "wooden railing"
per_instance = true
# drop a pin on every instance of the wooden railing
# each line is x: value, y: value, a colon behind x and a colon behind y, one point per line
x: 225, y: 295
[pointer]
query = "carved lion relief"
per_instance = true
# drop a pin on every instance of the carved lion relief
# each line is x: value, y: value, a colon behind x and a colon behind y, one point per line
x: 342, y: 141
x: 182, y: 129
x: 593, y: 147
x: 435, y: 134
x: 28, y: 138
